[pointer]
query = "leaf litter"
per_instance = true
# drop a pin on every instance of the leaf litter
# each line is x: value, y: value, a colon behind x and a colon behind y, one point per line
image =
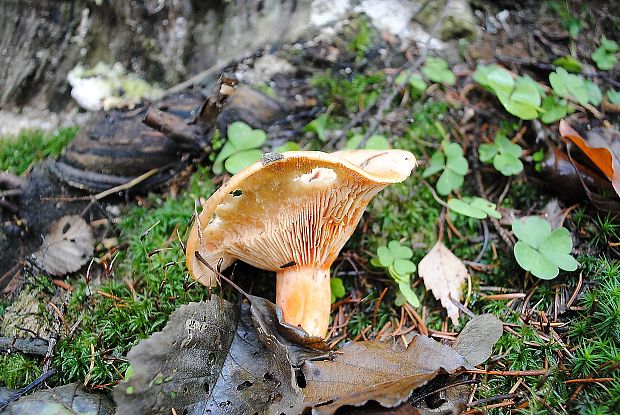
x: 67, y: 247
x: 225, y: 358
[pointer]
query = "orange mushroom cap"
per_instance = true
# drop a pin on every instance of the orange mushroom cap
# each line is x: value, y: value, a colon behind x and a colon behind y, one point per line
x: 291, y: 213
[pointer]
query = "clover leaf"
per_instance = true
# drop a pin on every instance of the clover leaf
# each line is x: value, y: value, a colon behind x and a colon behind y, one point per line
x: 605, y: 54
x: 503, y: 154
x: 554, y: 109
x: 520, y: 97
x: 396, y: 258
x: 569, y: 86
x: 337, y: 288
x: 436, y: 70
x: 288, y: 146
x: 374, y: 142
x: 595, y: 96
x: 474, y: 207
x: 319, y: 126
x: 416, y: 82
x: 569, y: 63
x: 542, y: 251
x: 614, y: 97
x: 241, y: 149
x: 453, y: 165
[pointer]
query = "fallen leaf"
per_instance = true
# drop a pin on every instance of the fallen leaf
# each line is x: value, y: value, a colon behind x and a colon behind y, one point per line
x: 475, y: 342
x: 213, y: 356
x: 444, y: 274
x: 373, y: 371
x: 71, y: 399
x: 601, y: 156
x: 67, y: 246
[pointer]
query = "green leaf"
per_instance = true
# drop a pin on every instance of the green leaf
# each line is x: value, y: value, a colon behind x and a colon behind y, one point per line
x: 569, y: 63
x: 595, y: 96
x: 553, y: 109
x: 609, y: 45
x: 404, y: 266
x: 354, y: 142
x: 228, y: 150
x: 435, y: 164
x: 475, y: 207
x: 559, y: 241
x: 507, y: 164
x: 436, y: 70
x: 449, y: 181
x: 558, y: 82
x: 531, y: 260
x: 614, y: 97
x: 465, y: 209
x: 526, y: 92
x: 407, y: 292
x: 417, y: 82
x: 243, y: 137
x: 319, y: 126
x: 532, y: 230
x: 487, y: 152
x: 452, y: 150
x: 337, y: 288
x: 377, y: 142
x: 508, y: 147
x: 288, y: 146
x: 458, y: 165
x: 386, y: 257
x: 605, y: 59
x: 500, y: 81
x: 239, y: 161
x: 399, y: 251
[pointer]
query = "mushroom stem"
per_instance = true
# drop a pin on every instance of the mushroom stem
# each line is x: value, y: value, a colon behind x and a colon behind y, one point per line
x: 304, y: 295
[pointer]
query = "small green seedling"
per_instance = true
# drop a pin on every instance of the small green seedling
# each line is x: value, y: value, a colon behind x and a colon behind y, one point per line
x: 569, y: 63
x: 337, y: 288
x: 241, y: 149
x: 538, y: 158
x: 288, y: 146
x: 571, y: 86
x: 436, y: 70
x: 416, y: 82
x: 520, y: 97
x: 605, y: 55
x: 613, y: 96
x: 504, y: 155
x: 541, y: 251
x: 396, y: 258
x: 554, y: 108
x: 595, y: 96
x: 319, y: 126
x: 375, y: 142
x: 474, y: 207
x: 451, y: 163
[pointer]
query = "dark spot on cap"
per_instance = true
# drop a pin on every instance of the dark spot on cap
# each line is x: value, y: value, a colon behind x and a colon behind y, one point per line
x: 270, y: 158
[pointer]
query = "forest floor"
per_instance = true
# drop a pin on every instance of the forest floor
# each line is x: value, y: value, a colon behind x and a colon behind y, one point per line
x: 560, y: 350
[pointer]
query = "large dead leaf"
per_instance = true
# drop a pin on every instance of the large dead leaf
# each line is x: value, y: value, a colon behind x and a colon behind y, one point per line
x: 210, y: 358
x: 475, y: 342
x: 444, y: 274
x: 71, y: 399
x: 67, y: 246
x: 599, y: 149
x: 373, y: 371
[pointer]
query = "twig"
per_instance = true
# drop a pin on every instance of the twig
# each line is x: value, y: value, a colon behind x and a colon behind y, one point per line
x: 30, y: 346
x: 494, y: 399
x: 588, y: 380
x: 21, y: 392
x: 540, y: 372
x: 220, y: 275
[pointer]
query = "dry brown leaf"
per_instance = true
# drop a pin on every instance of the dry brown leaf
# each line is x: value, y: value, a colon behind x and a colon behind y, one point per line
x: 598, y: 151
x: 444, y: 274
x: 373, y: 371
x: 67, y: 246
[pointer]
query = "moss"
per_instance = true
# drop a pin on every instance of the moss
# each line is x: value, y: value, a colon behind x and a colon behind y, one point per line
x: 111, y: 323
x: 17, y: 154
x: 349, y: 93
x: 17, y: 370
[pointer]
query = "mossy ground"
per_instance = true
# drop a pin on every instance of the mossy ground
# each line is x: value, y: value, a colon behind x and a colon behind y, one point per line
x: 139, y: 284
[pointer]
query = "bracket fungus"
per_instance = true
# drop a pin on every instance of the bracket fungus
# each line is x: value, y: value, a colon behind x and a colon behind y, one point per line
x: 291, y: 213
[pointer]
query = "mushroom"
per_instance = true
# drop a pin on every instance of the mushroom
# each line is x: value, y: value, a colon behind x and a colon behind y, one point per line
x: 291, y: 213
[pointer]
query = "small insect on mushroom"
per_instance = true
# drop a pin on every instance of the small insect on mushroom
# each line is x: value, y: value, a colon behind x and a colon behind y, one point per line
x: 292, y: 213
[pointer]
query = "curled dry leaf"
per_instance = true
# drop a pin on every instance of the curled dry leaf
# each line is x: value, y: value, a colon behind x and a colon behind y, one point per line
x: 373, y: 371
x: 599, y: 150
x: 444, y: 274
x: 475, y: 342
x: 67, y: 246
x: 71, y: 399
x: 213, y: 356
